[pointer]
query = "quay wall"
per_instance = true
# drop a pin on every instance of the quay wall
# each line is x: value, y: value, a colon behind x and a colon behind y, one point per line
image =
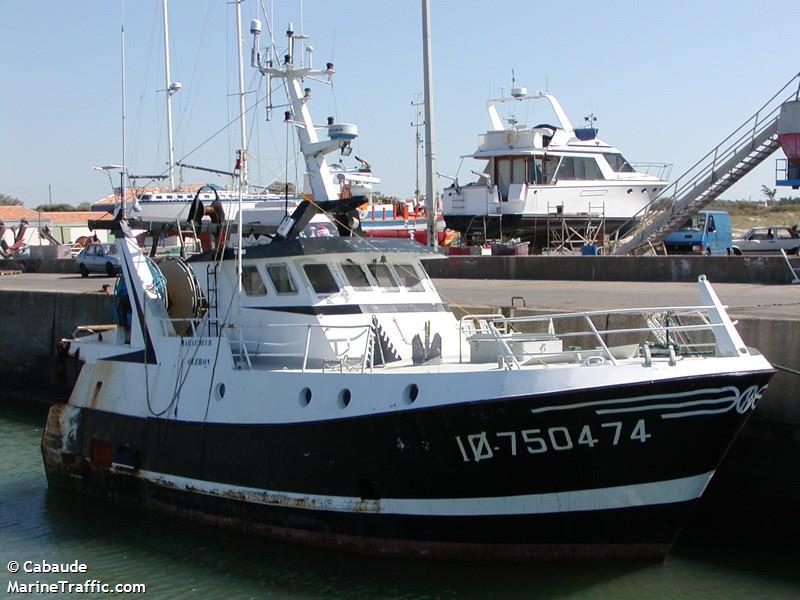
x: 31, y: 325
x: 718, y: 269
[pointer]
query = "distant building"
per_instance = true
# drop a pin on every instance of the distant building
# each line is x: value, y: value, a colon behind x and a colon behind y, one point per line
x: 13, y: 217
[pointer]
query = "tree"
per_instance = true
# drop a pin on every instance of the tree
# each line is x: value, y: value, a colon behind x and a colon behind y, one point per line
x: 6, y: 200
x: 55, y: 208
x: 84, y: 206
x: 769, y: 194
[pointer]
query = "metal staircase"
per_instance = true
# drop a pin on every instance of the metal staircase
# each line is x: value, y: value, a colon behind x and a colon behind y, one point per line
x: 733, y: 158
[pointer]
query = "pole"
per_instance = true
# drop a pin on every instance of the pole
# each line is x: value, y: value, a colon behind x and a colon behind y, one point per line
x: 417, y: 102
x: 430, y: 160
x: 242, y: 125
x: 170, y: 152
x: 122, y: 172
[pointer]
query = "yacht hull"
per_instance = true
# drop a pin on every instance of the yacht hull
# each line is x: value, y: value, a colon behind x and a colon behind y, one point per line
x: 531, y: 227
x: 599, y: 472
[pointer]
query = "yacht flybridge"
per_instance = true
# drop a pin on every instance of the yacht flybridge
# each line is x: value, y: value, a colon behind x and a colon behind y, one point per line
x: 533, y: 173
x: 320, y: 390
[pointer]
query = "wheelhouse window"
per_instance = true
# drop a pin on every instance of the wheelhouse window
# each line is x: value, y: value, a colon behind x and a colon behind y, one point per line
x: 281, y: 279
x: 356, y: 276
x: 579, y: 168
x: 252, y: 283
x: 618, y: 163
x: 383, y: 276
x: 321, y: 278
x: 409, y: 278
x: 541, y: 169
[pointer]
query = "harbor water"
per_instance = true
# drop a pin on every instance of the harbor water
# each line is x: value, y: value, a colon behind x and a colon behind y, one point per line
x: 730, y: 556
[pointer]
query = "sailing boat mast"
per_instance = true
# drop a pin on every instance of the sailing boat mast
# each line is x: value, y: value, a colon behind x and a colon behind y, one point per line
x: 430, y: 160
x: 242, y: 124
x: 171, y: 88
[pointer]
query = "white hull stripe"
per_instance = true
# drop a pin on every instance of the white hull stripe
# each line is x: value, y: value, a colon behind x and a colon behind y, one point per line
x: 624, y: 496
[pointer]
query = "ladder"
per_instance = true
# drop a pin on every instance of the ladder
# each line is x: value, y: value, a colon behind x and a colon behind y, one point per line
x: 725, y: 164
x: 211, y: 287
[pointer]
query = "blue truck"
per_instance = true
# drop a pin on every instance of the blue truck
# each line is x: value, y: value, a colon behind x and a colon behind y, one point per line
x: 708, y: 232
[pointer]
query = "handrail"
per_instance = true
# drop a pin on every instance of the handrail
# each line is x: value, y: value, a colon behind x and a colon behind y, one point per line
x: 762, y: 120
x: 497, y: 326
x: 366, y: 357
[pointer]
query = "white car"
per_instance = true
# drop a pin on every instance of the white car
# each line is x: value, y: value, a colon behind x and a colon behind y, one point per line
x: 767, y: 240
x: 98, y: 258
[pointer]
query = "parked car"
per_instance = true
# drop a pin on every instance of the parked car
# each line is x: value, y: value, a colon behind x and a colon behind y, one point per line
x: 708, y: 232
x: 770, y: 239
x: 99, y: 258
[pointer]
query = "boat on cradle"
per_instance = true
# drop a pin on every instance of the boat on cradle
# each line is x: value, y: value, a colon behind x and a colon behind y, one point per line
x: 319, y: 390
x: 534, y: 175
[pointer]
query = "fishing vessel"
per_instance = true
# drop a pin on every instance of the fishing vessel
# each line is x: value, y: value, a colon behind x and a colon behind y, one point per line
x: 320, y: 390
x: 548, y: 171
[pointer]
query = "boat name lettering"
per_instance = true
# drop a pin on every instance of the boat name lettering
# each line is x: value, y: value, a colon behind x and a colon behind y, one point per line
x: 195, y: 342
x: 198, y: 362
x: 476, y: 447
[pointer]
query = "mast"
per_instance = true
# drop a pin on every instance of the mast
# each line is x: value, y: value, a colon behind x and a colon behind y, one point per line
x: 430, y: 160
x: 417, y: 143
x: 242, y: 124
x: 170, y: 89
x: 314, y: 149
x: 243, y: 141
x: 122, y: 171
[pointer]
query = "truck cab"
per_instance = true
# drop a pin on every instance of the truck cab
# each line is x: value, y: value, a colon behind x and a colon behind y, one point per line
x: 708, y: 232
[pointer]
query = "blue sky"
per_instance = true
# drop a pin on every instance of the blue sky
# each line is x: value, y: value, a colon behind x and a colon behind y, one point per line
x: 666, y: 80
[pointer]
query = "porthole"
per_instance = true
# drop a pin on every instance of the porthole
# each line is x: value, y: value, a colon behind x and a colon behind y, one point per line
x: 220, y: 391
x: 410, y: 393
x: 344, y: 398
x: 305, y: 396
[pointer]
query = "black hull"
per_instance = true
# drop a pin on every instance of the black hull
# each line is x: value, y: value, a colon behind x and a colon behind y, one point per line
x: 410, y: 457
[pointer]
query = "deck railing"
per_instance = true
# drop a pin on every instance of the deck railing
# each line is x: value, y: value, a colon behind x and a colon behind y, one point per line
x: 664, y: 324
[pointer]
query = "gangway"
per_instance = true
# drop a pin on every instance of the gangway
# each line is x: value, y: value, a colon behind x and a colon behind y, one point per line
x: 725, y: 164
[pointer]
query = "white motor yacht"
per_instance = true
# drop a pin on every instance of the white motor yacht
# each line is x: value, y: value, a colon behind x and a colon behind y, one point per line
x: 548, y: 171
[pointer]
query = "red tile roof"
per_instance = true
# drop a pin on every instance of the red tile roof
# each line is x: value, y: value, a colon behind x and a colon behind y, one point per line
x: 15, y: 213
x: 80, y: 216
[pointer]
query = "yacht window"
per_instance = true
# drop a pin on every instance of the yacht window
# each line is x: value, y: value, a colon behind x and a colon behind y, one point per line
x: 549, y: 166
x: 579, y: 168
x: 281, y: 279
x: 618, y: 163
x: 321, y: 278
x: 383, y: 276
x: 252, y: 283
x: 541, y: 169
x: 409, y: 278
x: 356, y: 276
x: 518, y: 170
x: 503, y: 176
